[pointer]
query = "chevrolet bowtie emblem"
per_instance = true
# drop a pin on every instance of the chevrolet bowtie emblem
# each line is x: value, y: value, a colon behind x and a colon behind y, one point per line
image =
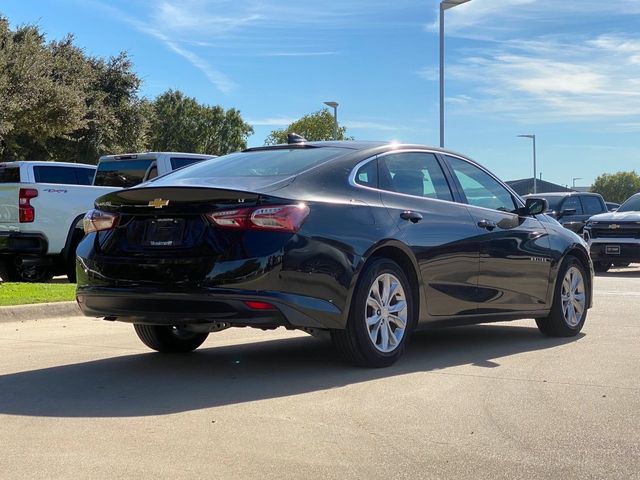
x: 613, y: 226
x: 158, y: 203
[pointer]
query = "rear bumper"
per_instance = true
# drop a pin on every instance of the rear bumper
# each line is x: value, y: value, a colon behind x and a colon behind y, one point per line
x: 23, y: 243
x: 163, y: 307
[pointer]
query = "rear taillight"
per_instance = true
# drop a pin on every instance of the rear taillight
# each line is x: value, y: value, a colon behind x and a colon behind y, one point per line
x: 26, y: 212
x: 281, y: 218
x: 97, y: 220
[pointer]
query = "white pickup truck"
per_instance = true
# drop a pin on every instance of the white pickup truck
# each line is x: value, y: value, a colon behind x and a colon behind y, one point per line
x: 42, y: 205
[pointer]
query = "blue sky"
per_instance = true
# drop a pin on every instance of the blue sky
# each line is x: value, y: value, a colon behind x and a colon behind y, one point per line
x: 567, y: 71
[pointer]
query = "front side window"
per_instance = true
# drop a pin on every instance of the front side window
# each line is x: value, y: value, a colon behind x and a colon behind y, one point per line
x: 572, y: 203
x: 413, y: 173
x: 480, y: 188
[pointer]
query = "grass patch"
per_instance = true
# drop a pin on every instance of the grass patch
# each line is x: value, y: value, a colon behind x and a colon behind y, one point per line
x: 24, y: 293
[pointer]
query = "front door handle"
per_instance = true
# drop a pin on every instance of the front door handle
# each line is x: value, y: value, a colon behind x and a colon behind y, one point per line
x: 487, y: 224
x: 413, y: 217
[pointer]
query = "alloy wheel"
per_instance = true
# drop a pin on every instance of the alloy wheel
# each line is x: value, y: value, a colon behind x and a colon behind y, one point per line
x: 386, y: 313
x: 574, y: 299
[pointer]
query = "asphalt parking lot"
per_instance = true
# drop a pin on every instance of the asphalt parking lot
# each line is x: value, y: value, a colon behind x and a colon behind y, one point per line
x: 85, y: 399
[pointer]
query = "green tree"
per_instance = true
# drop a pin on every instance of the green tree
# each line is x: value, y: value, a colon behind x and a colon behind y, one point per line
x: 617, y: 187
x: 315, y: 126
x: 180, y: 123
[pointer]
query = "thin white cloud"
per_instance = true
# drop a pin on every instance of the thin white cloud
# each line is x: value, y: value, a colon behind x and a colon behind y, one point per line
x: 295, y: 54
x: 221, y: 81
x: 272, y: 122
x: 577, y: 79
x: 368, y: 125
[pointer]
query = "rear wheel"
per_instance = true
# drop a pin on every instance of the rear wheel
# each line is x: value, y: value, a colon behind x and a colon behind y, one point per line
x: 601, y: 266
x: 570, y: 301
x: 27, y: 273
x: 169, y: 339
x: 381, y: 318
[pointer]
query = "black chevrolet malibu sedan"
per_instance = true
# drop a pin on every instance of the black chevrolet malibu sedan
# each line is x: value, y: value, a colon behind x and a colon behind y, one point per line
x: 367, y: 241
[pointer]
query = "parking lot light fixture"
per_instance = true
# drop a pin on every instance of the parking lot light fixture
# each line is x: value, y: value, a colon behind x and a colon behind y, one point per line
x: 334, y: 105
x: 535, y: 180
x: 444, y: 5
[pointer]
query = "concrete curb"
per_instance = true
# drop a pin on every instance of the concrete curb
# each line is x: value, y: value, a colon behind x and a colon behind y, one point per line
x: 36, y: 311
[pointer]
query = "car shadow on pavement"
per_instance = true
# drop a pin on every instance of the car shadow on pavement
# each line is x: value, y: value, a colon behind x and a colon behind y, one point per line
x: 155, y: 384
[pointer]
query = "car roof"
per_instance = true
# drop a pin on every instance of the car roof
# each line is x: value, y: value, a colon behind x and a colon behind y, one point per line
x: 45, y: 163
x: 145, y: 155
x: 354, y: 145
x: 561, y: 194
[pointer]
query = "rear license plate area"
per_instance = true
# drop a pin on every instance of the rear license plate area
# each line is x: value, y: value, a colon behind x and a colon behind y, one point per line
x: 612, y: 249
x: 164, y: 232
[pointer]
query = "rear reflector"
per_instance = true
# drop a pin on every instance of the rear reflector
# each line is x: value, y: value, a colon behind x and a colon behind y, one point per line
x: 283, y: 218
x: 97, y: 220
x: 255, y: 305
x: 26, y: 212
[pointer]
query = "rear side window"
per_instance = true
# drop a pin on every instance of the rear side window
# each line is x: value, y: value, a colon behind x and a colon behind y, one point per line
x: 53, y: 174
x: 179, y: 162
x: 9, y: 174
x: 592, y: 205
x: 480, y: 188
x: 414, y: 173
x: 85, y: 175
x: 122, y: 173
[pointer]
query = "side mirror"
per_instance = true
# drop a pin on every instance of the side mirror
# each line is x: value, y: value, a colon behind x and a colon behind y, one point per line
x: 568, y: 211
x: 536, y: 206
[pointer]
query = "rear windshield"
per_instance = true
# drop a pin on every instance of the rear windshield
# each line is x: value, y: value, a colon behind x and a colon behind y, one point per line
x: 63, y: 175
x: 9, y: 174
x: 122, y: 173
x: 631, y: 205
x: 261, y: 163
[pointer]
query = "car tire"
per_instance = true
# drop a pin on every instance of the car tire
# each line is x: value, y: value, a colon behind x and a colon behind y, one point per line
x: 570, y: 301
x: 601, y: 266
x: 381, y: 318
x: 621, y: 264
x: 29, y: 274
x: 169, y: 339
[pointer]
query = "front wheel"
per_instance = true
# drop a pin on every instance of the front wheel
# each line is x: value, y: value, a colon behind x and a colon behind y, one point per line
x: 570, y: 301
x: 169, y: 339
x: 381, y: 318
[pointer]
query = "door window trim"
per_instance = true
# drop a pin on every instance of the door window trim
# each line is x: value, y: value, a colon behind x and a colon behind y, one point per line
x: 445, y: 171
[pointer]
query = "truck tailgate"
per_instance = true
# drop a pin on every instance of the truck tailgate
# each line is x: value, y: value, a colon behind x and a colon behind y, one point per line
x: 9, y: 205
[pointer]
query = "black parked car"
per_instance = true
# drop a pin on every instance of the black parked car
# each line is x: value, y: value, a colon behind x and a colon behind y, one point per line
x: 367, y: 241
x: 572, y: 209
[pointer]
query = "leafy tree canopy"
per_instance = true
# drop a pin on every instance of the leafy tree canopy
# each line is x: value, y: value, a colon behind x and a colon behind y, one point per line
x: 617, y: 187
x: 315, y: 126
x: 60, y: 104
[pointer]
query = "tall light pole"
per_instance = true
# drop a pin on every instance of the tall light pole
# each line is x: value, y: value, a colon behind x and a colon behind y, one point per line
x: 535, y: 184
x: 444, y: 5
x: 574, y: 181
x: 334, y: 105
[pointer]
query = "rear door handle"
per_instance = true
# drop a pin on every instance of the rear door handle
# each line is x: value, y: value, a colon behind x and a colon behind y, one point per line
x: 487, y: 224
x: 413, y: 217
